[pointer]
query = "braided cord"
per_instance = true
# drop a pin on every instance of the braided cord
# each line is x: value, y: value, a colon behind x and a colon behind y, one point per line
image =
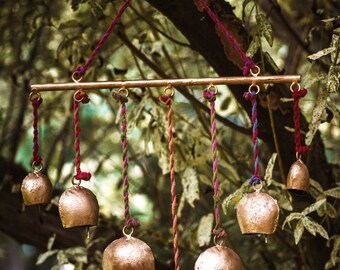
x: 248, y: 63
x: 37, y: 159
x: 81, y: 70
x: 167, y: 100
x: 217, y: 231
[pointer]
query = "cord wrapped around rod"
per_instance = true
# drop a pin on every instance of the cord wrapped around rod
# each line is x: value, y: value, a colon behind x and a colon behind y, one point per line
x: 121, y: 97
x: 167, y: 100
x: 210, y: 95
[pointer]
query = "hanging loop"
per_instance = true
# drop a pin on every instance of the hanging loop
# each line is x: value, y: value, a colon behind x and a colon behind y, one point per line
x: 81, y: 96
x: 292, y: 86
x: 169, y: 90
x: 252, y: 90
x: 218, y: 241
x: 75, y: 181
x: 37, y: 168
x: 77, y: 76
x: 35, y: 95
x: 255, y: 71
x: 298, y: 156
x: 123, y: 92
x: 128, y: 235
x: 257, y: 187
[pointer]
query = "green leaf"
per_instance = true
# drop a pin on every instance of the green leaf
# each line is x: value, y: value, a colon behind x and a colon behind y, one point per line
x: 245, y: 3
x: 333, y: 79
x: 336, y: 44
x: 51, y: 241
x: 205, y: 229
x: 78, y: 253
x: 316, y: 185
x: 309, y: 225
x: 313, y: 207
x: 271, y: 62
x: 333, y: 192
x: 268, y: 176
x: 298, y: 231
x: 292, y: 216
x: 253, y: 46
x: 61, y: 257
x: 321, y: 53
x: 330, y: 210
x: 96, y: 8
x: 44, y: 256
x: 265, y: 28
x: 316, y: 116
x: 190, y: 186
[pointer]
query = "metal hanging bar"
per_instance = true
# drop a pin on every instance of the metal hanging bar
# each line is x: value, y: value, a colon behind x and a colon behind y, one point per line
x: 165, y: 82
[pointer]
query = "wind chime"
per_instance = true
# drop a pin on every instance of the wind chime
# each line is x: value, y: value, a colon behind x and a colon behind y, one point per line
x: 257, y: 212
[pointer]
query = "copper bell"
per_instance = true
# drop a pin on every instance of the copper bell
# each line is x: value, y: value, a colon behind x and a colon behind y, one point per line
x: 128, y: 253
x: 218, y: 257
x: 298, y: 178
x: 36, y: 188
x: 78, y: 206
x: 257, y: 213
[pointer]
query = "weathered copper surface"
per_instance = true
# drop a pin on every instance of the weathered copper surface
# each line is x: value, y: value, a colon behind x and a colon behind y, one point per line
x: 218, y: 258
x: 78, y: 206
x: 36, y: 188
x: 257, y: 213
x: 128, y: 253
x: 298, y: 178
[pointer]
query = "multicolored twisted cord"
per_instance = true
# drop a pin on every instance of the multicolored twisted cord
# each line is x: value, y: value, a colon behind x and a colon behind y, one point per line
x: 167, y: 100
x: 79, y: 96
x: 255, y: 179
x: 37, y: 159
x: 211, y: 97
x: 297, y: 94
x: 248, y: 63
x: 122, y: 98
x: 81, y: 70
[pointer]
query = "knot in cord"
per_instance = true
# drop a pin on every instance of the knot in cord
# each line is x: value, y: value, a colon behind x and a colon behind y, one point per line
x: 249, y: 65
x: 36, y: 102
x: 209, y: 95
x: 254, y: 180
x: 80, y: 70
x: 82, y: 97
x: 132, y: 223
x: 166, y: 99
x: 120, y: 98
x: 297, y: 94
x: 249, y: 95
x: 86, y: 176
x: 220, y: 233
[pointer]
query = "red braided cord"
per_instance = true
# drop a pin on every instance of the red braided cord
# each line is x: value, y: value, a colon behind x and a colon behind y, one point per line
x: 82, y: 69
x: 79, y: 97
x: 37, y: 159
x: 166, y: 99
x: 297, y: 94
x: 248, y: 64
x: 130, y: 221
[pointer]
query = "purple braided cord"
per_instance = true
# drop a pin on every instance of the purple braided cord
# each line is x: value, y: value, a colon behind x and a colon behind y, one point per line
x: 37, y: 159
x: 255, y: 179
x: 248, y: 63
x: 81, y: 70
x: 130, y: 222
x: 217, y: 231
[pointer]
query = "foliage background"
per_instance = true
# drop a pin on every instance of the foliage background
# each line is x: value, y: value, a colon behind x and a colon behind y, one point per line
x: 43, y: 41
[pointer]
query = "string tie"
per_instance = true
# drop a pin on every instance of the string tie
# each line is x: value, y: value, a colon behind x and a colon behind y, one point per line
x: 249, y: 65
x: 297, y: 94
x: 209, y: 95
x: 37, y: 159
x: 220, y: 233
x: 251, y: 95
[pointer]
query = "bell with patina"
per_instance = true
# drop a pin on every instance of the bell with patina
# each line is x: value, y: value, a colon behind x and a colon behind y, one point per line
x: 36, y: 188
x: 298, y: 178
x: 257, y: 213
x: 218, y: 257
x: 128, y: 253
x: 78, y: 206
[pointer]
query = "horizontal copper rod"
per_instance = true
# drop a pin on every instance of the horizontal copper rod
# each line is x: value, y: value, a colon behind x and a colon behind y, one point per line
x: 165, y: 82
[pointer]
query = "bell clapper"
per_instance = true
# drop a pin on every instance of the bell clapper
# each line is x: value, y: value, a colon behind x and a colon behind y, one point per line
x: 266, y: 239
x: 88, y: 232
